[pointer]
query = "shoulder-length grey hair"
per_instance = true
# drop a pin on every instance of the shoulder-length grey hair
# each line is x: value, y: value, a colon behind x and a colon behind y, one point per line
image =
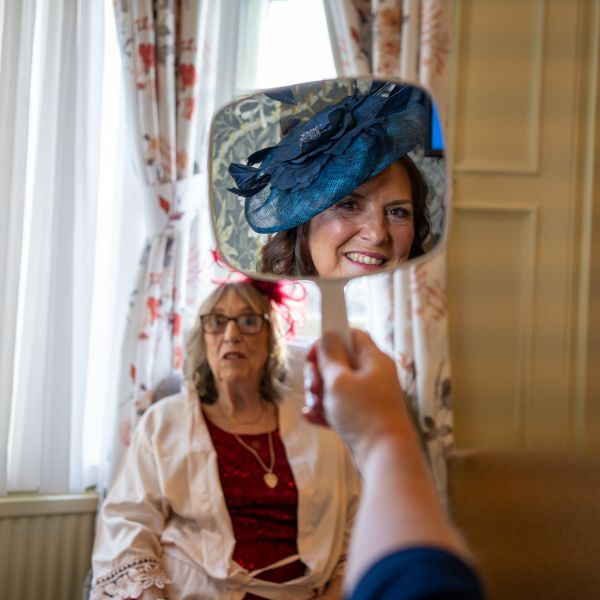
x: 197, y: 370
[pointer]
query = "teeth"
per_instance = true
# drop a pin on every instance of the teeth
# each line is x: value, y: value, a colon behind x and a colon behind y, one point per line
x: 365, y: 260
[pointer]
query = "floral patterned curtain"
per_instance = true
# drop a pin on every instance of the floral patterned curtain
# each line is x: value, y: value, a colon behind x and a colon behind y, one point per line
x: 168, y: 51
x: 408, y: 39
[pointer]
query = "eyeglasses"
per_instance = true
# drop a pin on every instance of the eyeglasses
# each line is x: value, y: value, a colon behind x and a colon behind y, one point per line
x: 247, y: 323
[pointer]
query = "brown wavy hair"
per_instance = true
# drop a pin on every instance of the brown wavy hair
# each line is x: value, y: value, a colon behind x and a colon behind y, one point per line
x: 197, y: 370
x: 288, y: 253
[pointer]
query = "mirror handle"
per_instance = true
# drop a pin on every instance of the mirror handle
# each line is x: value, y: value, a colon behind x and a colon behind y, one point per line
x: 333, y: 309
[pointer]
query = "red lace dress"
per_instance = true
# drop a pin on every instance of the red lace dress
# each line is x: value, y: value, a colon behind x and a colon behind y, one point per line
x: 264, y: 520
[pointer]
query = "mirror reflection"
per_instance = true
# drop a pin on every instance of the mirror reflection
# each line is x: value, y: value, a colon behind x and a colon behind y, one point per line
x: 338, y: 179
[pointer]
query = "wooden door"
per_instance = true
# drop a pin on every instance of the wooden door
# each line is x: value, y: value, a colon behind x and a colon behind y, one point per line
x: 523, y: 132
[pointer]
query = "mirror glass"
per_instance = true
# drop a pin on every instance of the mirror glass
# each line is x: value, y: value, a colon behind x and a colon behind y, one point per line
x: 331, y: 179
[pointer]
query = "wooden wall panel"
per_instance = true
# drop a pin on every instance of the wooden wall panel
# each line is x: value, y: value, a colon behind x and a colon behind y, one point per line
x: 492, y: 261
x: 492, y: 36
x: 522, y: 129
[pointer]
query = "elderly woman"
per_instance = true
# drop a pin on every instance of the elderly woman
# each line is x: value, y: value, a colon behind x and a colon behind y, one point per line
x: 226, y: 491
x: 340, y: 193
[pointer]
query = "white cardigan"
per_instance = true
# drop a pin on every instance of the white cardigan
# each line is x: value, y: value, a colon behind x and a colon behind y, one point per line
x: 165, y: 516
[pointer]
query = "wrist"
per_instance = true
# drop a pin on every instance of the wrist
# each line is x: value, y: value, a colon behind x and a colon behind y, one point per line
x: 391, y: 440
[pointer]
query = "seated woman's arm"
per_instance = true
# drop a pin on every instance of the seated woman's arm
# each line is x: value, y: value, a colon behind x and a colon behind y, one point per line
x: 127, y: 549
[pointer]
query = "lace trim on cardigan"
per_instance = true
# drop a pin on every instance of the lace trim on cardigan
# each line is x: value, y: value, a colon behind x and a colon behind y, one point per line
x: 130, y: 580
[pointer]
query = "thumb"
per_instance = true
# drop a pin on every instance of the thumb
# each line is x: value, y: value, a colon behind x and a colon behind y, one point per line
x: 364, y: 349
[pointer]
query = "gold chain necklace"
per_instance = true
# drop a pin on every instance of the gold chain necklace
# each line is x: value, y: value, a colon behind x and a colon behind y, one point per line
x: 253, y: 422
x: 269, y: 477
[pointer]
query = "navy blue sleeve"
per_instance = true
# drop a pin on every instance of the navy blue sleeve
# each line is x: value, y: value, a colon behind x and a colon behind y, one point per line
x: 419, y: 574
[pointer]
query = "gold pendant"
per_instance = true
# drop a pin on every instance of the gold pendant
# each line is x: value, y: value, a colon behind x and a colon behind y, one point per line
x: 271, y: 479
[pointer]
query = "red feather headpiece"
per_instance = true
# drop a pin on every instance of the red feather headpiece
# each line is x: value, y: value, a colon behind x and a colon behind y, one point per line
x: 288, y: 298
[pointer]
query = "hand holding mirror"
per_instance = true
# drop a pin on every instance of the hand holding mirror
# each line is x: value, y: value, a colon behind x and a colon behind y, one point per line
x: 328, y: 181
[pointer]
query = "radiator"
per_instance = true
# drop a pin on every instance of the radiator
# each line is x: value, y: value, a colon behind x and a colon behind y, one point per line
x: 45, y: 545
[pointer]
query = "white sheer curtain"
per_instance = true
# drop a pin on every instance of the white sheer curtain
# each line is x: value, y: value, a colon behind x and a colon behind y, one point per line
x: 50, y: 91
x: 179, y: 66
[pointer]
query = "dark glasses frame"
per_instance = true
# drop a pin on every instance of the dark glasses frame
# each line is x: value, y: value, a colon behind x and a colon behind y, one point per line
x: 220, y: 328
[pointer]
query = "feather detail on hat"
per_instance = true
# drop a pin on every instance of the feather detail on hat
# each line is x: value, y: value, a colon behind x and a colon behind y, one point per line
x: 328, y: 156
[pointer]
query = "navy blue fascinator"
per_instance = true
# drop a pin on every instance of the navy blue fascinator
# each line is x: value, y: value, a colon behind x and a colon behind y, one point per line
x: 325, y: 158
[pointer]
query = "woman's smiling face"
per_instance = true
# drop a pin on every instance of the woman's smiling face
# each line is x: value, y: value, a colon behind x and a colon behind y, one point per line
x: 370, y: 229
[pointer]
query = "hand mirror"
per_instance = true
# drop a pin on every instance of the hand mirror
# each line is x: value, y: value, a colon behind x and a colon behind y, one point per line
x: 328, y: 181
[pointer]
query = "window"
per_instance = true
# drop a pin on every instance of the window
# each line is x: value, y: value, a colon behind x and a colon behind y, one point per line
x: 283, y: 42
x: 273, y: 48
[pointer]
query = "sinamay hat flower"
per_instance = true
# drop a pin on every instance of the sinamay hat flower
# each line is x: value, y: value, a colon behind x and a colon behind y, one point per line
x: 327, y: 157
